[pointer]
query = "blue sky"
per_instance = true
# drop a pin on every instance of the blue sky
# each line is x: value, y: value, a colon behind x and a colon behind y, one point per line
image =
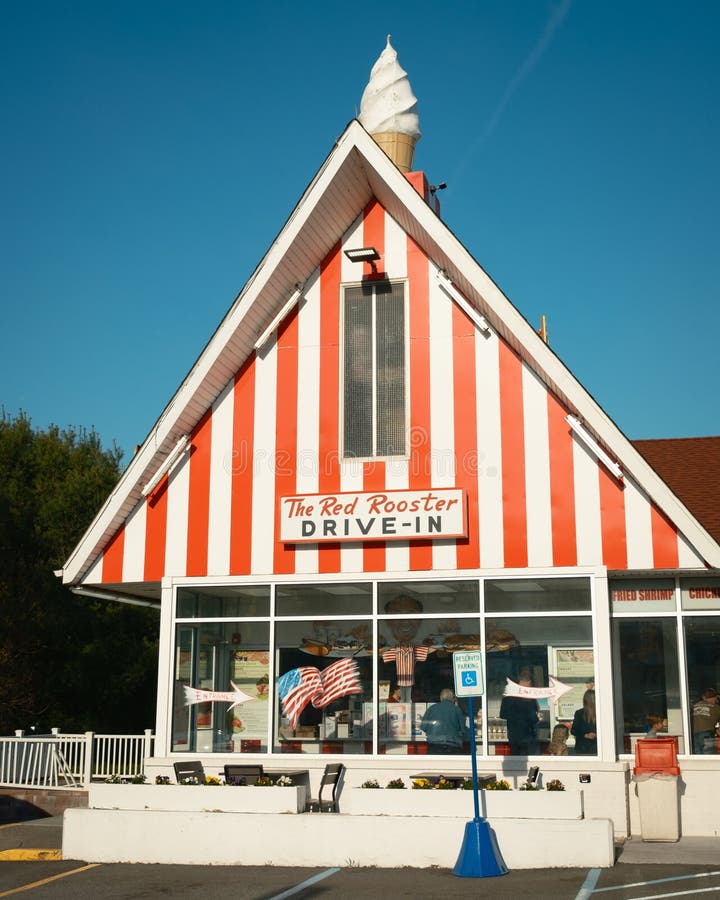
x: 151, y: 152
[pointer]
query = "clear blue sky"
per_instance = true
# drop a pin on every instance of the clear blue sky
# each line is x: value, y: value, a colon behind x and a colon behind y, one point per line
x: 151, y: 151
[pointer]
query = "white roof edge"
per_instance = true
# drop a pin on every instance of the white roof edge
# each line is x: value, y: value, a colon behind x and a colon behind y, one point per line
x: 476, y: 284
x: 549, y: 367
x: 140, y: 467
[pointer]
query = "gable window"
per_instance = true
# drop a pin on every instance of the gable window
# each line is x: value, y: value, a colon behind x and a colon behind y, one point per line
x: 374, y: 383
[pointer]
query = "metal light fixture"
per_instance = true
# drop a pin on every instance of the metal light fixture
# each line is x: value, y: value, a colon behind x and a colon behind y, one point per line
x: 363, y: 254
x: 294, y: 298
x: 454, y: 294
x: 170, y: 460
x: 590, y: 442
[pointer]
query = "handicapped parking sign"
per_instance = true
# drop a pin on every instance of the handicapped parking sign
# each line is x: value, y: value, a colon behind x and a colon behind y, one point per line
x: 467, y: 668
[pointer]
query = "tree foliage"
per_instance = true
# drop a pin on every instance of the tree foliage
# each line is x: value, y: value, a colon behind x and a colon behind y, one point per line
x: 65, y: 660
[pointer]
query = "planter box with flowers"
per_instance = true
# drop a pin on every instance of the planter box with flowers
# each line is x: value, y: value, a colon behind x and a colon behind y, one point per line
x: 212, y: 796
x: 423, y: 798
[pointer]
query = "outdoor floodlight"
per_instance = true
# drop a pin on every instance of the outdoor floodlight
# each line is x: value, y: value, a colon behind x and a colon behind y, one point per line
x: 363, y: 254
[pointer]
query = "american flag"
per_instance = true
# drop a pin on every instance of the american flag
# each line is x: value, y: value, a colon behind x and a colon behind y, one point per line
x: 307, y: 684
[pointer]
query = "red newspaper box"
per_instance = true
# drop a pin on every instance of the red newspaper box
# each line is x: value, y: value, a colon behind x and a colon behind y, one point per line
x: 656, y: 755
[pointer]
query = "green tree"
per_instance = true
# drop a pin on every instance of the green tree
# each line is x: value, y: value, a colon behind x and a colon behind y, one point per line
x: 65, y: 660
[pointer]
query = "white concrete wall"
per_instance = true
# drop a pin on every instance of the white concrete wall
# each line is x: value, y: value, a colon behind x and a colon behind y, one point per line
x: 609, y: 795
x: 315, y: 839
x: 605, y: 797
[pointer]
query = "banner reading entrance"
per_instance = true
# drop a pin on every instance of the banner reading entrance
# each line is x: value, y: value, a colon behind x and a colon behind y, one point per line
x: 382, y: 516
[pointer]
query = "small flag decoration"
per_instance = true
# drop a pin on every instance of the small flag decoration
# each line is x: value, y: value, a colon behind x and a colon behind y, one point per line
x: 298, y: 687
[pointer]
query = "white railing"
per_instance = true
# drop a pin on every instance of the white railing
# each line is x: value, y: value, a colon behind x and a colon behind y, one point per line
x: 71, y: 760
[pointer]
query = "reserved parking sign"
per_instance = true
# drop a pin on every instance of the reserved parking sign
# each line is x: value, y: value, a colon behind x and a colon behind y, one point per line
x: 467, y: 668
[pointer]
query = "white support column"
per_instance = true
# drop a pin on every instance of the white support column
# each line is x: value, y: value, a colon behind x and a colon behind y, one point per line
x: 603, y: 667
x: 163, y: 715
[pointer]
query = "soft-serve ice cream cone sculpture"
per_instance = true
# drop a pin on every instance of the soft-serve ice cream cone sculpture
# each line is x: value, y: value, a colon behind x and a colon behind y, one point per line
x: 388, y: 109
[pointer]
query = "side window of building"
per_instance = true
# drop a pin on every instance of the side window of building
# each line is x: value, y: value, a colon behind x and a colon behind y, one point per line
x: 374, y: 380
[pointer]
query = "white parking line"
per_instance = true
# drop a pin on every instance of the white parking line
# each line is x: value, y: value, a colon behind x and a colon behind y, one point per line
x: 626, y: 887
x: 591, y: 879
x: 304, y: 884
x: 677, y: 894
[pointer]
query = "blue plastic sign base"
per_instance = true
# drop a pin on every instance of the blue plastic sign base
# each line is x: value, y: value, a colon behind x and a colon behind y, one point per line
x: 479, y: 854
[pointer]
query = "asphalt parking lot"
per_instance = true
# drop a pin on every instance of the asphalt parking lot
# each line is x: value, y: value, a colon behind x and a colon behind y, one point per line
x: 690, y: 867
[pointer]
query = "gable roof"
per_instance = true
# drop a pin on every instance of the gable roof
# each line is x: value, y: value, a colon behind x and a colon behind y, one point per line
x: 691, y: 467
x: 356, y: 171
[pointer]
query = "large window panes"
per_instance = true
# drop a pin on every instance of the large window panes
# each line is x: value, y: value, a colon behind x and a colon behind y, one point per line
x: 307, y: 652
x: 541, y: 595
x: 646, y: 657
x: 445, y: 598
x: 702, y: 652
x: 527, y: 651
x: 210, y: 657
x: 223, y: 602
x: 323, y: 600
x: 374, y: 405
x: 419, y: 629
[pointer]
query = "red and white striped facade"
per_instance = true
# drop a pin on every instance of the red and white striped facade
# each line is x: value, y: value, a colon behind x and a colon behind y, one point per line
x: 480, y: 419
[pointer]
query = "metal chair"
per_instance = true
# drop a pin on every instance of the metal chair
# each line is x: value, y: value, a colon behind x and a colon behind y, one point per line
x: 190, y: 769
x: 239, y: 775
x: 332, y: 776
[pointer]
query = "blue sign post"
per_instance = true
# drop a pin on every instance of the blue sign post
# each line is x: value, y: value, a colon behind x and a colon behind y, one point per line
x: 479, y: 856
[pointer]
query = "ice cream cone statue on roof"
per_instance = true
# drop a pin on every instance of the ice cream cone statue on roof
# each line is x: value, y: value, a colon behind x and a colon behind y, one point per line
x: 388, y: 109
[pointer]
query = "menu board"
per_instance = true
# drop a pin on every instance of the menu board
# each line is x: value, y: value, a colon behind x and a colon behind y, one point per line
x: 250, y: 672
x: 574, y: 666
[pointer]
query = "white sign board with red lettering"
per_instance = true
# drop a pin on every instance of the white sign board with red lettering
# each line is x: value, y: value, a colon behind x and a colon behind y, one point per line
x: 379, y: 516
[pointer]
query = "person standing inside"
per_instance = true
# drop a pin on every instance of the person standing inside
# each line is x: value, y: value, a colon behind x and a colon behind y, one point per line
x: 705, y: 722
x: 584, y: 726
x: 444, y: 725
x: 521, y: 715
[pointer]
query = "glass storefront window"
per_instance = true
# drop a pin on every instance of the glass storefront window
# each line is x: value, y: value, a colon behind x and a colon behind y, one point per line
x: 223, y: 602
x: 398, y: 638
x: 307, y: 652
x: 702, y: 653
x: 526, y: 651
x: 211, y: 657
x: 418, y: 631
x: 537, y: 595
x: 446, y: 598
x: 323, y: 599
x: 647, y: 680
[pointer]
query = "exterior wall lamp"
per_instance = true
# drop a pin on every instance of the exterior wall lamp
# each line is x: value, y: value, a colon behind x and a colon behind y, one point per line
x: 363, y: 254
